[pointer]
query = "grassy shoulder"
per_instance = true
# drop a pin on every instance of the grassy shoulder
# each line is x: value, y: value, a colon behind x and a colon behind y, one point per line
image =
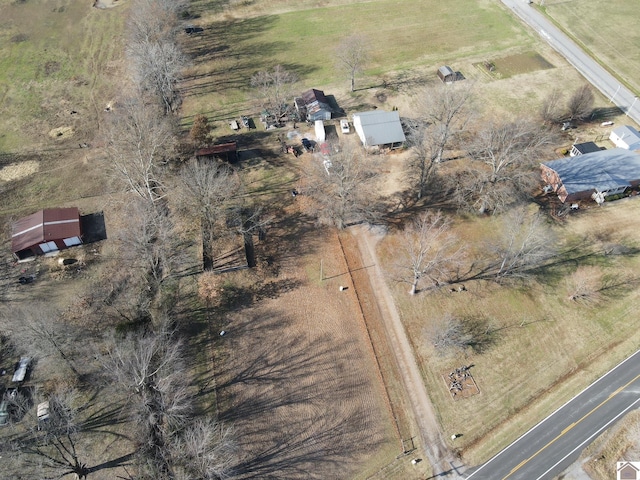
x: 614, y: 42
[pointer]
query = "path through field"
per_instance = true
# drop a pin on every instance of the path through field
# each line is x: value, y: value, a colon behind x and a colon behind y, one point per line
x: 431, y: 442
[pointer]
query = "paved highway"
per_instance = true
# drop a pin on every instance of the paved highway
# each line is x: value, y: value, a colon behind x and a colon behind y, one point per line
x: 556, y: 442
x: 589, y: 68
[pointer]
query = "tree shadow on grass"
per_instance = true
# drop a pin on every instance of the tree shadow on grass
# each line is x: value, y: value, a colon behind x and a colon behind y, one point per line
x: 298, y: 408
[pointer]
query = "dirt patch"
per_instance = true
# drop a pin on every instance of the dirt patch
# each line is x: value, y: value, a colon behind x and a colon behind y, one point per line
x: 511, y: 65
x: 16, y: 171
x: 61, y: 132
x: 103, y: 4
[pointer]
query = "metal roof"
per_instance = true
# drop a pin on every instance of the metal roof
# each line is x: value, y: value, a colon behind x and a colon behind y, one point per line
x: 380, y: 127
x: 44, y: 226
x: 627, y: 137
x: 603, y: 170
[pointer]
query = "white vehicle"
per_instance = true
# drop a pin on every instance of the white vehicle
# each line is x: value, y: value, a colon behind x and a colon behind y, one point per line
x: 21, y: 371
x: 344, y: 126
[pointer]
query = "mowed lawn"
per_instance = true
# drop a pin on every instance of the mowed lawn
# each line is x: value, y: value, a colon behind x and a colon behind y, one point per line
x: 303, y: 37
x: 56, y: 56
x: 545, y: 348
x: 608, y: 29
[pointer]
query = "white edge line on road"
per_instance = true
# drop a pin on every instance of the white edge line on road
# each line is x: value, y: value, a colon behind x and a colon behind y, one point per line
x: 552, y: 414
x: 589, y: 438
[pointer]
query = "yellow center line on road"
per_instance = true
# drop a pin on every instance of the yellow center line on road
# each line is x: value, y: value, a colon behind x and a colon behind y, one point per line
x: 521, y: 464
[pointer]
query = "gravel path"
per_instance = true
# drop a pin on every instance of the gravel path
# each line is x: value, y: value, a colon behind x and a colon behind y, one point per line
x: 433, y: 445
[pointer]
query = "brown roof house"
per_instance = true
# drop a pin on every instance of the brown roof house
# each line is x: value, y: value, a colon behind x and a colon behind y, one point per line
x: 46, y: 231
x: 314, y: 105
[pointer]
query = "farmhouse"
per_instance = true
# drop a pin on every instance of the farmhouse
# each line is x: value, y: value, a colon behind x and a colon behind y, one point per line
x: 625, y: 137
x: 313, y: 105
x: 446, y: 74
x: 606, y: 172
x: 379, y: 128
x: 46, y: 231
x: 223, y: 151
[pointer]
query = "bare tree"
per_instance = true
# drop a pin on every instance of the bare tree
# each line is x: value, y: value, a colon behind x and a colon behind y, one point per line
x: 52, y: 448
x: 206, y: 192
x: 343, y: 187
x: 274, y: 90
x: 156, y: 60
x: 150, y: 243
x: 352, y: 55
x: 551, y: 110
x: 43, y: 332
x: 139, y: 143
x: 502, y: 172
x: 430, y: 250
x: 200, y: 130
x: 448, y: 333
x: 451, y: 333
x: 205, y: 450
x: 442, y: 111
x: 157, y: 67
x: 580, y: 104
x: 526, y: 243
x: 152, y: 369
x: 585, y: 285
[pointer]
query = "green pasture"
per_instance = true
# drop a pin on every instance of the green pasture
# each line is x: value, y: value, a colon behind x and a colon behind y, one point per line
x: 411, y: 34
x: 56, y: 56
x: 606, y: 29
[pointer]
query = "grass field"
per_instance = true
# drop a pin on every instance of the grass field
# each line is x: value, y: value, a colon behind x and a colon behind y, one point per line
x: 412, y: 34
x: 540, y: 340
x: 50, y: 66
x: 606, y: 29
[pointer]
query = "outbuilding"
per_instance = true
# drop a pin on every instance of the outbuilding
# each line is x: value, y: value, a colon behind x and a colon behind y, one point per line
x: 223, y: 151
x: 379, y: 128
x: 313, y: 105
x: 46, y: 231
x: 446, y: 74
x: 625, y: 137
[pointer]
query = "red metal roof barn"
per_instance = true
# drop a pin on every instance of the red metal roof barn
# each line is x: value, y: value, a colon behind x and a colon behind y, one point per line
x: 48, y: 230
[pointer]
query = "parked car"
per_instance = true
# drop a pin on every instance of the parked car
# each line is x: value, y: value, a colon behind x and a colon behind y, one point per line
x: 344, y: 126
x: 21, y: 369
x: 245, y: 121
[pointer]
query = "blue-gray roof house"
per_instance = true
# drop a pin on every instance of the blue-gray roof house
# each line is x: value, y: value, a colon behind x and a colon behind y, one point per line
x: 608, y: 172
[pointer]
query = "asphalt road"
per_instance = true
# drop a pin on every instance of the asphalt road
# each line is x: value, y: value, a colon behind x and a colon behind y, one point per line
x: 610, y: 87
x: 556, y: 442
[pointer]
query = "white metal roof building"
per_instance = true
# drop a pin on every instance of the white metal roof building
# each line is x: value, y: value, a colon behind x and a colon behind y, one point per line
x: 625, y: 137
x: 377, y: 128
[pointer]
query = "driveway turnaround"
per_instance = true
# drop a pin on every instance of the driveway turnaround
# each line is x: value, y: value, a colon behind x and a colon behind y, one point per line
x: 556, y: 442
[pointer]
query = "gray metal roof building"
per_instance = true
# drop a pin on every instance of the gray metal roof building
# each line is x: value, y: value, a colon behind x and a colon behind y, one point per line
x: 606, y: 171
x: 378, y: 127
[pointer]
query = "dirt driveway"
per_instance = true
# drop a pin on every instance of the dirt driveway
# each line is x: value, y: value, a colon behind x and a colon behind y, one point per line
x: 413, y: 393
